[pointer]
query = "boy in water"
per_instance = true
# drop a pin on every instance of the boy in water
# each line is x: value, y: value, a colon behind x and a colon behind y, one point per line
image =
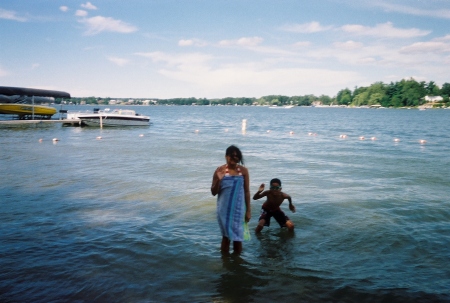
x: 271, y: 208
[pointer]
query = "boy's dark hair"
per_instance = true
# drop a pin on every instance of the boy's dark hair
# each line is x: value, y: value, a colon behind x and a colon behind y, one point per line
x: 275, y: 180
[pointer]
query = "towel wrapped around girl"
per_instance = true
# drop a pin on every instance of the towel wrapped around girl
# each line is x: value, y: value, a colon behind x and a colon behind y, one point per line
x: 231, y: 182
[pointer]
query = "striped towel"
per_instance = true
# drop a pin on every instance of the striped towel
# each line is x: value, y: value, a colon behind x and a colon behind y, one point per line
x: 231, y: 207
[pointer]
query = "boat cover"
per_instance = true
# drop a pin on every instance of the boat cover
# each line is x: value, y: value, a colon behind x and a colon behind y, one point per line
x: 22, y: 91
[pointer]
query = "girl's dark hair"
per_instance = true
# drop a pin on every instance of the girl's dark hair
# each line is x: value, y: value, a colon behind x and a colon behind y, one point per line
x: 235, y: 152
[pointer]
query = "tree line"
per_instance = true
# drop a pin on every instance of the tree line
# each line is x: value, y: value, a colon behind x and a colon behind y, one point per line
x: 404, y: 93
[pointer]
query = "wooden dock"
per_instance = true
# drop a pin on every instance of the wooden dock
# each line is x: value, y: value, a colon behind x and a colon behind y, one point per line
x: 65, y: 122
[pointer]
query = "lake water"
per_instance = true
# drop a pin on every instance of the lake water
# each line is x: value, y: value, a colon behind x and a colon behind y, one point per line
x: 130, y: 217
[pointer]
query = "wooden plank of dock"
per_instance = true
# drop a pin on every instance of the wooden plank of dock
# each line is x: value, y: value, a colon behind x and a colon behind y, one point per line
x: 38, y: 122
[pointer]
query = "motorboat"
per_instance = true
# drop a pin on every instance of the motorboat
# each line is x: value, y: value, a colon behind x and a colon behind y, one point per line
x: 25, y: 110
x: 117, y: 117
x: 285, y: 106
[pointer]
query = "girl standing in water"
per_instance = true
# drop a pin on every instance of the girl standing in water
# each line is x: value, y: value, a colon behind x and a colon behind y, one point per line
x: 231, y: 182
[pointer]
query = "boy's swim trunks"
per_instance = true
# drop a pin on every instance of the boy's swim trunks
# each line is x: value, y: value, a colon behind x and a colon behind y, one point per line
x: 279, y: 215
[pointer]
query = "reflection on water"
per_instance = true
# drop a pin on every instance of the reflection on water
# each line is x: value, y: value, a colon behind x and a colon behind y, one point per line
x: 275, y: 245
x: 240, y: 282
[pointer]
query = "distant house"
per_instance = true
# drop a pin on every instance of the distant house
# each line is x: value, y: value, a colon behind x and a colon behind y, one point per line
x: 147, y: 102
x: 433, y: 99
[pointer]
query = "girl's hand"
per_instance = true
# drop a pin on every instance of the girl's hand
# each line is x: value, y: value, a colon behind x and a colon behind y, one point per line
x: 220, y: 173
x: 248, y: 215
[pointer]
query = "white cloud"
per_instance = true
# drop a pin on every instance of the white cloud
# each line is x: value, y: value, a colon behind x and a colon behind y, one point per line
x: 302, y: 44
x: 118, y: 61
x: 191, y: 42
x: 185, y: 42
x: 3, y: 72
x: 254, y: 80
x: 367, y: 60
x: 384, y: 30
x: 248, y: 43
x: 245, y: 42
x: 445, y: 38
x: 426, y: 47
x: 348, y: 45
x: 11, y: 15
x: 81, y: 13
x: 409, y: 10
x: 179, y: 60
x: 253, y: 44
x: 306, y: 28
x: 209, y: 76
x: 98, y: 24
x: 89, y: 5
x: 63, y: 8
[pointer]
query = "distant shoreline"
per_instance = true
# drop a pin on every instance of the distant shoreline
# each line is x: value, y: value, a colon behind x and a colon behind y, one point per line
x: 421, y: 107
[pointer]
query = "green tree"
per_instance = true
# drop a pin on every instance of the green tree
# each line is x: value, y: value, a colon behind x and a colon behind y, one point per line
x: 361, y: 99
x: 344, y: 97
x: 432, y: 89
x: 412, y: 92
x: 445, y: 90
x: 375, y: 98
x: 325, y: 99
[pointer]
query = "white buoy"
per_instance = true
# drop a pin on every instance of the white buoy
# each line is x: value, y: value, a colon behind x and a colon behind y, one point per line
x: 244, y: 125
x: 55, y: 139
x: 196, y: 131
x: 422, y: 141
x: 362, y: 138
x: 343, y: 136
x: 40, y: 140
x: 99, y: 138
x: 396, y: 140
x: 373, y: 138
x: 291, y: 132
x: 141, y: 135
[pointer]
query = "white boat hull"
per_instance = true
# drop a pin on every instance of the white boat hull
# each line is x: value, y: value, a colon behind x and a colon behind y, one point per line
x: 106, y: 118
x: 114, y: 120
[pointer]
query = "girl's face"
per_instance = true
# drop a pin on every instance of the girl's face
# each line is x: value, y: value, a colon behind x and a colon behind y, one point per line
x: 232, y: 159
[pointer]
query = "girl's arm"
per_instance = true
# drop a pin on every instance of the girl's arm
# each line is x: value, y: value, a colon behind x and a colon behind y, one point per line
x: 215, y: 185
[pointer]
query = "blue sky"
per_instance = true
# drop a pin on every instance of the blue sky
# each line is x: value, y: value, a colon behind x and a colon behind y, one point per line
x: 217, y: 49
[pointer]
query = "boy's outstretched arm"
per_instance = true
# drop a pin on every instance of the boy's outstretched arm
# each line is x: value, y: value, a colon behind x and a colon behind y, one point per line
x: 291, y: 206
x: 259, y: 193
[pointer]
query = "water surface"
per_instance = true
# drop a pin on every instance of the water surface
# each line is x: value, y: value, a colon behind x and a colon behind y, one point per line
x: 130, y: 218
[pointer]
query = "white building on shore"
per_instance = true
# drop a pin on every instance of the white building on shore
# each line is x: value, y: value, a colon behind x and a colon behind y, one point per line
x: 433, y: 99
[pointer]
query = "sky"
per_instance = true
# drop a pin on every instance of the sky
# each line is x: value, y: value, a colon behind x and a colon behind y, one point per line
x: 217, y: 48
